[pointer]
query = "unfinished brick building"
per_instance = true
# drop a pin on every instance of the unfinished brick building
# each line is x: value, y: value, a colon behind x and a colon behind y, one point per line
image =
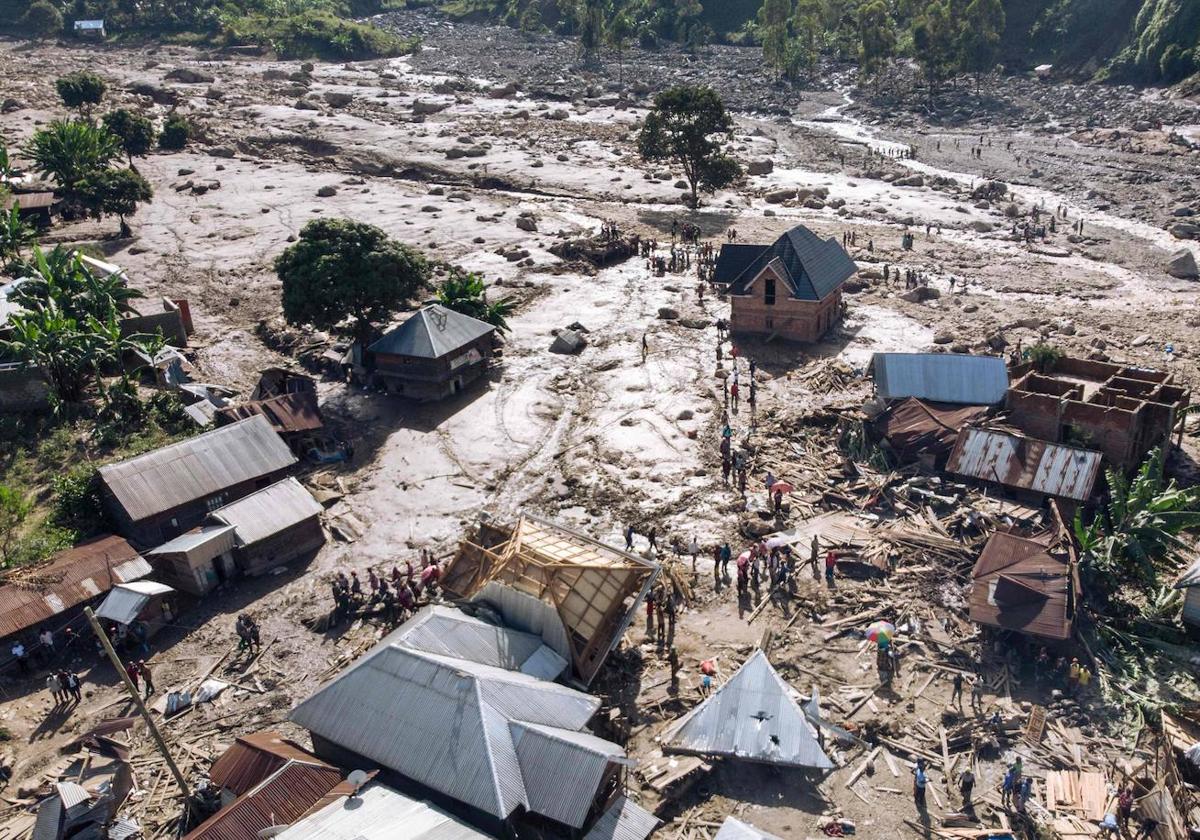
x: 1122, y: 412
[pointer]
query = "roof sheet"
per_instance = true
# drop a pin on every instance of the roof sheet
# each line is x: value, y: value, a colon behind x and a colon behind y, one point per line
x: 752, y: 717
x: 196, y: 468
x: 253, y: 758
x: 1017, y: 584
x: 287, y: 413
x: 219, y: 537
x: 735, y: 829
x: 734, y: 259
x: 1025, y: 463
x: 376, y: 814
x: 1190, y: 576
x: 913, y: 427
x: 269, y: 511
x: 73, y: 577
x: 281, y: 799
x: 562, y: 769
x: 812, y: 267
x: 125, y: 601
x: 623, y: 820
x: 941, y: 377
x: 431, y: 333
x: 443, y: 721
x: 450, y: 632
x: 28, y: 201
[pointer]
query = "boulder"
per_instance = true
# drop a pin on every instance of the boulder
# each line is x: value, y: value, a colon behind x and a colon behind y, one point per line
x: 943, y: 337
x: 1141, y: 341
x: 423, y: 107
x: 568, y: 342
x: 921, y: 294
x: 505, y: 91
x: 558, y: 115
x: 1185, y: 230
x: 527, y: 224
x: 779, y: 196
x: 695, y: 323
x: 997, y: 342
x: 666, y: 313
x: 910, y: 181
x: 9, y: 105
x: 338, y: 100
x: 764, y: 166
x: 326, y: 191
x: 980, y: 226
x: 1183, y: 265
x: 189, y: 77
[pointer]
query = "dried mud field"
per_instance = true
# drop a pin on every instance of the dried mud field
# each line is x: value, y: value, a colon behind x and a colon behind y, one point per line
x: 443, y: 152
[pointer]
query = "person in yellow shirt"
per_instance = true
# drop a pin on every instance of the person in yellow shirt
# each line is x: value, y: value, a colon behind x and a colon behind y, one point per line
x: 1073, y: 676
x: 1085, y: 678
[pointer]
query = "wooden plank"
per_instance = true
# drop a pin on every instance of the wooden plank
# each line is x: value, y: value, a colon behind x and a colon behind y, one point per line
x: 891, y: 763
x: 862, y: 768
x: 1036, y: 725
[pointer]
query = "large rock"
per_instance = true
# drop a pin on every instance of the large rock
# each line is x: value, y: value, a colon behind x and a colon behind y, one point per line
x: 423, y: 107
x: 1183, y: 265
x: 337, y: 99
x: 568, y: 342
x: 527, y: 224
x: 760, y: 167
x: 779, y: 196
x: 980, y: 226
x: 666, y: 313
x: 1185, y: 230
x: 921, y: 294
x: 189, y: 76
x: 910, y: 181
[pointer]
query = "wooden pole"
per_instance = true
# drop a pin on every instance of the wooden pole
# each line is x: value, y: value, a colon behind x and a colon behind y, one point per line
x: 141, y: 707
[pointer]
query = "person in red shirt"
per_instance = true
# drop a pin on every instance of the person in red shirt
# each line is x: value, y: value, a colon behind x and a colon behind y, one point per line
x: 830, y: 566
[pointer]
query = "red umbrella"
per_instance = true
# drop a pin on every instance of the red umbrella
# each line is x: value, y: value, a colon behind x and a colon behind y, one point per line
x: 782, y: 487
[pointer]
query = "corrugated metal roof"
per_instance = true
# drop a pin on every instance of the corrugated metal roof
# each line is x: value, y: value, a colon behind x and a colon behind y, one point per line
x: 913, y: 427
x: 811, y: 266
x: 450, y: 632
x: 562, y: 769
x: 377, y: 813
x: 735, y: 829
x: 442, y: 721
x: 432, y: 333
x: 28, y: 201
x: 196, y: 468
x: 1017, y: 584
x: 218, y: 539
x: 127, y: 600
x: 280, y: 800
x: 253, y: 758
x: 73, y: 577
x: 1025, y: 463
x: 941, y: 377
x: 624, y: 820
x: 269, y: 511
x: 751, y: 717
x: 297, y: 412
x: 1190, y: 577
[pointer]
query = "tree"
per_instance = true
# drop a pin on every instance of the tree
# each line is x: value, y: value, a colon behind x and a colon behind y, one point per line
x: 114, y: 192
x: 81, y: 89
x: 14, y: 509
x: 15, y: 234
x: 467, y: 294
x: 979, y: 40
x: 50, y: 341
x: 935, y: 37
x: 135, y: 131
x: 175, y: 134
x: 877, y: 36
x: 42, y: 19
x: 62, y: 278
x: 773, y: 17
x: 687, y: 126
x: 619, y: 31
x: 70, y: 150
x: 589, y: 16
x: 343, y: 269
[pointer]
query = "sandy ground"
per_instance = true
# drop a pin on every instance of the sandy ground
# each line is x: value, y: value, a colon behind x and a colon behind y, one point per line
x: 600, y: 439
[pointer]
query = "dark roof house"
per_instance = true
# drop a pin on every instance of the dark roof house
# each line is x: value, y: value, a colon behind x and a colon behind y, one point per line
x: 433, y: 354
x: 813, y: 268
x: 734, y: 259
x: 1025, y: 585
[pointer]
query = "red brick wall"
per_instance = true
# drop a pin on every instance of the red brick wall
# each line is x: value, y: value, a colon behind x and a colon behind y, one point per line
x: 788, y: 318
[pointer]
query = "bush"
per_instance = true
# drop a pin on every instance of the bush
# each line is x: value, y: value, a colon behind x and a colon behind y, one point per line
x: 320, y: 35
x: 42, y: 19
x: 81, y: 89
x: 175, y: 134
x: 77, y: 500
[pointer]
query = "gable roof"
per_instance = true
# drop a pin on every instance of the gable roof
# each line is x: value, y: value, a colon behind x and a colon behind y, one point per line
x: 282, y: 798
x: 624, y: 820
x: 431, y: 333
x: 253, y: 758
x: 269, y: 511
x: 751, y: 717
x: 735, y: 259
x: 377, y: 813
x: 1018, y: 584
x: 1025, y: 463
x: 196, y: 468
x: 812, y: 267
x: 448, y: 724
x: 941, y: 377
x: 73, y: 577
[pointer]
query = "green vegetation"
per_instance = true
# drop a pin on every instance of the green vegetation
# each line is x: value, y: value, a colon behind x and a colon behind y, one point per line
x: 114, y: 192
x: 1044, y: 356
x: 315, y: 34
x: 688, y: 127
x: 67, y: 151
x: 14, y: 510
x: 342, y: 269
x: 177, y: 130
x: 81, y: 89
x: 467, y: 294
x: 15, y: 235
x: 42, y: 19
x: 136, y: 131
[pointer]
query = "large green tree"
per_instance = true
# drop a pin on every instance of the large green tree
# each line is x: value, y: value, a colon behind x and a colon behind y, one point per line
x: 70, y: 150
x: 47, y: 339
x: 42, y: 19
x: 135, y: 131
x: 773, y: 19
x: 466, y: 293
x: 114, y: 192
x: 979, y: 39
x: 61, y: 278
x: 689, y: 127
x: 935, y: 42
x: 877, y: 38
x: 82, y: 89
x: 343, y: 269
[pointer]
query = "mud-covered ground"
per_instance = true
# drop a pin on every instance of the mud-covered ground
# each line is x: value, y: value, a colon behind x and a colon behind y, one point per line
x: 601, y: 439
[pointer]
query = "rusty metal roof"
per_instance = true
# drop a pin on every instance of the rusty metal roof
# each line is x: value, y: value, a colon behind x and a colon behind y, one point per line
x: 73, y: 577
x: 284, y: 797
x: 913, y: 427
x: 29, y: 201
x: 296, y: 412
x: 253, y: 758
x: 1025, y: 463
x: 1018, y: 584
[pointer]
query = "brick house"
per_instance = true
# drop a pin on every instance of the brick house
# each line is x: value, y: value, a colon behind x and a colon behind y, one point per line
x: 434, y: 354
x: 791, y: 289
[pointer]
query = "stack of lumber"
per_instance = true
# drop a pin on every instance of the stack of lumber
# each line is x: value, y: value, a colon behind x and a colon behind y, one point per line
x: 1083, y: 794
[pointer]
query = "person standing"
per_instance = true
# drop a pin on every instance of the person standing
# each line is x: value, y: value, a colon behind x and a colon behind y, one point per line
x: 694, y: 550
x: 19, y: 654
x: 629, y: 532
x: 1085, y: 679
x: 977, y: 694
x: 726, y: 556
x: 966, y: 784
x: 147, y: 679
x: 1006, y: 789
x: 1125, y: 807
x: 653, y: 538
x: 55, y: 687
x: 73, y: 685
x: 830, y: 567
x: 1073, y: 677
x: 131, y: 671
x: 46, y: 637
x: 645, y: 348
x: 650, y: 613
x: 814, y: 556
x: 956, y: 691
x: 920, y: 780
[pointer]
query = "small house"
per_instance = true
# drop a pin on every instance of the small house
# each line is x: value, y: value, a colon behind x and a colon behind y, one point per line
x: 90, y: 29
x: 144, y: 602
x: 161, y: 494
x: 36, y: 208
x: 1189, y: 582
x: 1028, y: 586
x: 791, y: 289
x: 198, y: 561
x: 434, y: 354
x: 273, y: 526
x: 295, y: 417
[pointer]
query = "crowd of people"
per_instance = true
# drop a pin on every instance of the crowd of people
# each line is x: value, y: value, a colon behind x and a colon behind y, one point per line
x: 394, y: 596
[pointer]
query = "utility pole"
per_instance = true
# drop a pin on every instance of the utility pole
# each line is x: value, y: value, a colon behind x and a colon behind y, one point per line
x: 137, y: 699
